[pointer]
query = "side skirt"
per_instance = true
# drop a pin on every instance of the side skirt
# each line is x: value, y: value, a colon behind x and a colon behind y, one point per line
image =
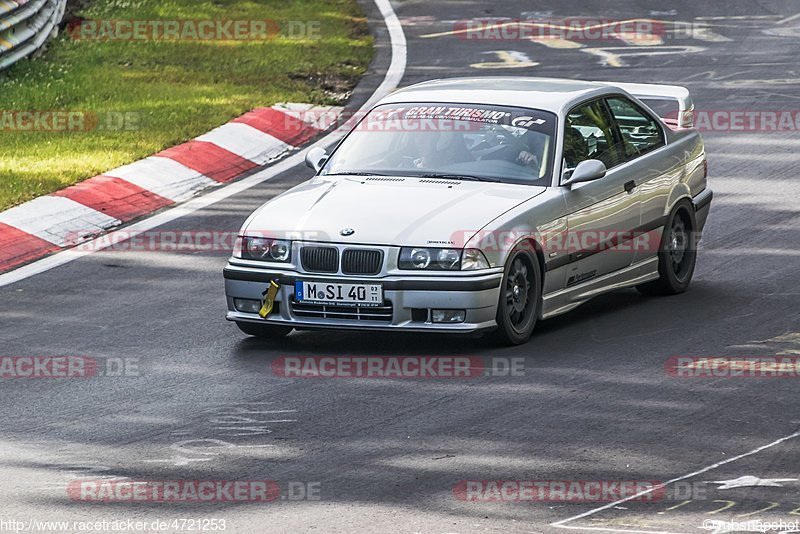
x: 568, y: 299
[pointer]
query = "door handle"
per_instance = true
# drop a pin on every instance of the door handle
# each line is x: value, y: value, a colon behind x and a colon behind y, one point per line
x: 630, y: 186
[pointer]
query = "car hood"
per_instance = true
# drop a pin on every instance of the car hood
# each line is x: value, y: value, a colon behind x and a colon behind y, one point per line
x: 387, y: 210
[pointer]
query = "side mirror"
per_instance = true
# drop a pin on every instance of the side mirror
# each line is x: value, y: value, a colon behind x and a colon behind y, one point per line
x: 316, y: 158
x: 586, y: 171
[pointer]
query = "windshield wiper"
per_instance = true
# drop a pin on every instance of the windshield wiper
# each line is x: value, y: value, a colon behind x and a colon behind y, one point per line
x: 354, y: 173
x: 459, y: 177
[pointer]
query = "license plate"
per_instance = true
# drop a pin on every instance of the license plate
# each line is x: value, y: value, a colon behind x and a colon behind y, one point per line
x: 336, y: 294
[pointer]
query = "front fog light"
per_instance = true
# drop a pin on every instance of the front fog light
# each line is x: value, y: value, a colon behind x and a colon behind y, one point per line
x: 247, y: 305
x: 448, y: 316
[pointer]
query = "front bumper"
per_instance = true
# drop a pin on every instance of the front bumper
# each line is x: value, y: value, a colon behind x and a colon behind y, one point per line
x: 404, y: 297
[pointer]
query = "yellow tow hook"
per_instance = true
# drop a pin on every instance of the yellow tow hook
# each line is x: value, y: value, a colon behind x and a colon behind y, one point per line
x: 269, y: 299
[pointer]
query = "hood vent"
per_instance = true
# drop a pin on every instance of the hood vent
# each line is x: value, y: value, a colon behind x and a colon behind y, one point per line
x: 385, y: 179
x: 440, y: 182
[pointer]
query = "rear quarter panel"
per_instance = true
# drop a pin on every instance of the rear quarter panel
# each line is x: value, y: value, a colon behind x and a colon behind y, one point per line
x: 674, y: 172
x: 687, y: 150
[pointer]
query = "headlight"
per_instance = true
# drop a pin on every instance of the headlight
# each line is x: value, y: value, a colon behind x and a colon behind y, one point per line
x: 448, y: 259
x: 263, y: 249
x: 280, y: 250
x: 441, y: 259
x: 420, y: 258
x: 432, y: 259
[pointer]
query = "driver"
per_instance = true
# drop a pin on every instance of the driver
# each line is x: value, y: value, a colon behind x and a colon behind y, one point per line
x: 434, y: 149
x: 424, y: 148
x: 529, y: 142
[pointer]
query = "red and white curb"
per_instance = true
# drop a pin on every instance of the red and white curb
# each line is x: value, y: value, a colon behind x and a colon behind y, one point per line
x: 68, y: 217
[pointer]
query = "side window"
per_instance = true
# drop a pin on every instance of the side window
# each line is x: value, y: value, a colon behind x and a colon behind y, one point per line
x: 589, y: 134
x: 640, y: 132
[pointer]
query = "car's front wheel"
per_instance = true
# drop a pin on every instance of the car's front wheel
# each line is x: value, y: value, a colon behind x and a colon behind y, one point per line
x: 677, y: 254
x: 520, y: 299
x: 266, y: 331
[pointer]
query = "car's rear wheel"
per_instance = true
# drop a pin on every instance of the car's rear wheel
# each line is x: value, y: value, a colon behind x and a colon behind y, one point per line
x: 266, y: 331
x: 677, y: 254
x: 520, y: 299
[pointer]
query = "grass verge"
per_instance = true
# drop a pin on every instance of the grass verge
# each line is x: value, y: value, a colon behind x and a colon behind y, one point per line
x: 146, y: 95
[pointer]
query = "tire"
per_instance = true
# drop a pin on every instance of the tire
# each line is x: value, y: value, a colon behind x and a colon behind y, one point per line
x: 520, y: 299
x: 265, y: 331
x: 677, y: 254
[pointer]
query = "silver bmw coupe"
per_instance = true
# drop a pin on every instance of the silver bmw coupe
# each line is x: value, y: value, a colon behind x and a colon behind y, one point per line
x: 479, y: 204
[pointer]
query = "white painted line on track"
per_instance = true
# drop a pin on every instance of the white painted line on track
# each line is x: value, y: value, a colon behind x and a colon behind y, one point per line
x: 391, y: 80
x: 789, y: 19
x: 563, y: 522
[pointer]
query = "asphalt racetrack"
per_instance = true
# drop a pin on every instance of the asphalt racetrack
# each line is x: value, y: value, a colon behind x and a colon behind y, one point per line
x: 594, y: 402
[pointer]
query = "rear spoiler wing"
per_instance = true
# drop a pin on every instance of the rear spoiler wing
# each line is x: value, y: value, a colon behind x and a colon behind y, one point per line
x: 649, y: 91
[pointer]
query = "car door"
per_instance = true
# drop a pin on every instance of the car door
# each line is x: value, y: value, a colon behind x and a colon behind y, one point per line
x: 641, y: 136
x: 602, y: 214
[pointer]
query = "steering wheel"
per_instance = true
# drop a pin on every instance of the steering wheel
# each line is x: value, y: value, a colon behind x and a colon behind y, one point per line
x: 513, y: 147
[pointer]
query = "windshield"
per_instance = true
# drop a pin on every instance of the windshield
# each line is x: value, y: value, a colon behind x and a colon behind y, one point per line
x: 486, y: 143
